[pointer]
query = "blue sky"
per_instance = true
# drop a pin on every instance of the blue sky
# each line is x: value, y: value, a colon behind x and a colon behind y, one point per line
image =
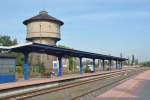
x: 101, y: 26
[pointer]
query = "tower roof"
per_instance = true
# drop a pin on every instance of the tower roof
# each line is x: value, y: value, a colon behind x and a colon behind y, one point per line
x: 43, y: 16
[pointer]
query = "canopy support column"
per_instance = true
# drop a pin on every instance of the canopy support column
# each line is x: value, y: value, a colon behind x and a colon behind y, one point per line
x: 94, y: 65
x: 99, y: 64
x: 60, y: 66
x: 103, y: 65
x: 110, y: 65
x: 26, y: 66
x: 81, y: 65
x: 116, y: 64
x: 120, y: 64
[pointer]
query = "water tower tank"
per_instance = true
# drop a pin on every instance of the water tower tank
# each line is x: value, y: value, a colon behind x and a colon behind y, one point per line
x: 43, y: 29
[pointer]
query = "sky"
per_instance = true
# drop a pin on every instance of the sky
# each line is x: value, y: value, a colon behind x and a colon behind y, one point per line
x: 99, y: 26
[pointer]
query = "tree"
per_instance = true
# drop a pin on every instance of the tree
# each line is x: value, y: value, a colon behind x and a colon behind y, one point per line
x: 7, y: 41
x: 128, y: 61
x: 72, y: 62
x: 146, y: 64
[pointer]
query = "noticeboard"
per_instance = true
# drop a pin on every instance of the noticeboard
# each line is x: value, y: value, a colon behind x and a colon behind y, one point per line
x: 7, y: 69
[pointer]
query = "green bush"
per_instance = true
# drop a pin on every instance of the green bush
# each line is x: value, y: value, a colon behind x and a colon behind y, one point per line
x: 41, y: 68
x: 87, y: 70
x: 146, y: 64
x: 106, y: 68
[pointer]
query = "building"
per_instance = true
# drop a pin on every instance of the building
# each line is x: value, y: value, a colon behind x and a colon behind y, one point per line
x: 7, y: 68
x: 43, y: 29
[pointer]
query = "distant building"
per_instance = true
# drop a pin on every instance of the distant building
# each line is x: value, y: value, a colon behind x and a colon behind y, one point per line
x: 43, y: 29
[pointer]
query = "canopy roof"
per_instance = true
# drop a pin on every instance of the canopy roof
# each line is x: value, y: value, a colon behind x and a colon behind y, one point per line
x: 58, y: 51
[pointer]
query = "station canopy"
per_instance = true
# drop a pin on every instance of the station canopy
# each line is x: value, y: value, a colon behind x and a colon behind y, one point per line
x: 58, y: 51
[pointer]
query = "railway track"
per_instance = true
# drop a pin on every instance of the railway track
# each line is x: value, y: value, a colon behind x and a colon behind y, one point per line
x: 87, y: 80
x: 115, y: 82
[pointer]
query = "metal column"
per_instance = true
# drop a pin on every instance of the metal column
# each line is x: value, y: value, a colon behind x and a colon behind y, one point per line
x: 94, y: 65
x: 81, y: 66
x: 110, y: 65
x: 26, y: 66
x: 99, y: 64
x: 60, y: 66
x: 116, y: 64
x: 121, y: 65
x: 103, y: 65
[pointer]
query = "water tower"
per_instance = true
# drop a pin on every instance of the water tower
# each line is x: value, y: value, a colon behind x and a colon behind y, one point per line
x: 43, y: 29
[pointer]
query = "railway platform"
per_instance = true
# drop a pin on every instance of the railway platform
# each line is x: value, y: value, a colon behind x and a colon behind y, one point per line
x: 75, y: 85
x: 136, y: 88
x: 31, y: 82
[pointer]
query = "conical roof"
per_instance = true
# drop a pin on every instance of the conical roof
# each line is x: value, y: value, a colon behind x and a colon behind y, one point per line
x: 43, y: 16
